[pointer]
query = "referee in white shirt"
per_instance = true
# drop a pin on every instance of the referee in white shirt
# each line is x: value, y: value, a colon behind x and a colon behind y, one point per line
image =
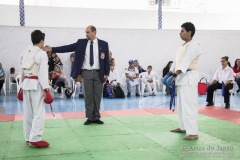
x: 92, y: 63
x: 224, y: 74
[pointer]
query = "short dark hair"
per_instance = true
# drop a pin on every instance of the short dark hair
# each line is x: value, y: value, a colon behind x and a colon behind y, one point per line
x: 189, y: 27
x: 149, y: 67
x: 225, y: 57
x: 37, y: 36
x: 12, y: 70
x: 93, y: 28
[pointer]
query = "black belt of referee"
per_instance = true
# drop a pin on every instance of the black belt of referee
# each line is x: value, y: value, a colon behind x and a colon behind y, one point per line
x: 92, y: 70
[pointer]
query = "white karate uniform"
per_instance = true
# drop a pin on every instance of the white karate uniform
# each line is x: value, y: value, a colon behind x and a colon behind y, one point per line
x: 114, y: 77
x: 34, y: 62
x: 151, y: 86
x: 187, y: 96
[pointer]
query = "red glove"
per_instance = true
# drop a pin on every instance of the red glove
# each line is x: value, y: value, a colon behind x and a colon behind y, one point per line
x: 49, y: 98
x: 20, y: 95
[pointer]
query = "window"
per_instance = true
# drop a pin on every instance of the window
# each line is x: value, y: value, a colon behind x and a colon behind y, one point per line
x: 166, y: 3
x: 152, y: 3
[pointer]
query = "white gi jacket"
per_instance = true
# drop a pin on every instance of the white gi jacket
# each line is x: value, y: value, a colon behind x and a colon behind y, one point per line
x: 187, y: 59
x: 30, y: 62
x: 147, y: 76
x: 114, y: 75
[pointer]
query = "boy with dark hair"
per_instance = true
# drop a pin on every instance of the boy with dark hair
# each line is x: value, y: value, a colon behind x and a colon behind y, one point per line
x: 186, y: 80
x: 149, y: 80
x: 12, y: 75
x: 35, y: 88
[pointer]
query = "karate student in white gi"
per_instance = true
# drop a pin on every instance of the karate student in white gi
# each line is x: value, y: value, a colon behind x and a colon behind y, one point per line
x: 35, y: 86
x: 149, y: 79
x: 114, y: 76
x: 186, y: 80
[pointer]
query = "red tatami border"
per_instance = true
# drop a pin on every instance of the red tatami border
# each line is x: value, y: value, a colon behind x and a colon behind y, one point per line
x: 216, y: 112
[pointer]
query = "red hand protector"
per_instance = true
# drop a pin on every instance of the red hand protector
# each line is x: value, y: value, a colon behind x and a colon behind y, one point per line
x: 20, y: 95
x: 49, y: 98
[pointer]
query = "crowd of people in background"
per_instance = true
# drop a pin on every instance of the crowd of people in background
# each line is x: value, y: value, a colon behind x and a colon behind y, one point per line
x: 145, y: 83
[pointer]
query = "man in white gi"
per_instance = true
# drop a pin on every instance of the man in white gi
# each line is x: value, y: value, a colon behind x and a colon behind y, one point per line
x: 186, y: 81
x: 34, y: 73
x: 149, y: 79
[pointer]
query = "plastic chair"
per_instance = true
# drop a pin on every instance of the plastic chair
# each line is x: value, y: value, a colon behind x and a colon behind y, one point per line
x: 74, y: 87
x: 157, y: 79
x: 18, y: 81
x: 143, y: 85
x: 124, y: 84
x: 219, y: 91
x: 4, y: 86
x: 235, y: 86
x: 52, y: 90
x: 10, y: 83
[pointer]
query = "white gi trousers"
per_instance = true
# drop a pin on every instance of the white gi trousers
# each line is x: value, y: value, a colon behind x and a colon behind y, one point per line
x: 187, y: 104
x: 151, y: 87
x: 34, y: 114
x: 187, y: 96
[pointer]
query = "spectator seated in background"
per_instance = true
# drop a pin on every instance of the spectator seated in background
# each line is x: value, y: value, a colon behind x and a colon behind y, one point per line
x: 165, y: 72
x: 112, y: 62
x: 57, y: 61
x: 140, y: 69
x: 2, y: 77
x: 53, y: 59
x: 132, y: 78
x: 114, y: 77
x: 112, y: 88
x: 51, y: 62
x: 236, y: 70
x: 224, y: 75
x: 12, y: 75
x: 72, y: 57
x: 79, y: 88
x: 59, y: 80
x: 149, y: 79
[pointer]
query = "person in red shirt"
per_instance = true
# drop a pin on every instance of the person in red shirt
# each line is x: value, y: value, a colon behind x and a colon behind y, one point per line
x: 58, y: 78
x: 236, y: 70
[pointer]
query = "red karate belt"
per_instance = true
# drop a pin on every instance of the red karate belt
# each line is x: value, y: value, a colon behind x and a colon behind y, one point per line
x: 31, y: 77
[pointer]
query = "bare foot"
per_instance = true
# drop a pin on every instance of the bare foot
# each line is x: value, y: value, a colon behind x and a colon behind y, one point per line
x: 178, y: 130
x: 191, y: 137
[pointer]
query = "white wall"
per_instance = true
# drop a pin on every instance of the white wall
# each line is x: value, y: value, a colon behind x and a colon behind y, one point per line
x: 150, y: 47
x: 202, y: 21
x: 78, y: 17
